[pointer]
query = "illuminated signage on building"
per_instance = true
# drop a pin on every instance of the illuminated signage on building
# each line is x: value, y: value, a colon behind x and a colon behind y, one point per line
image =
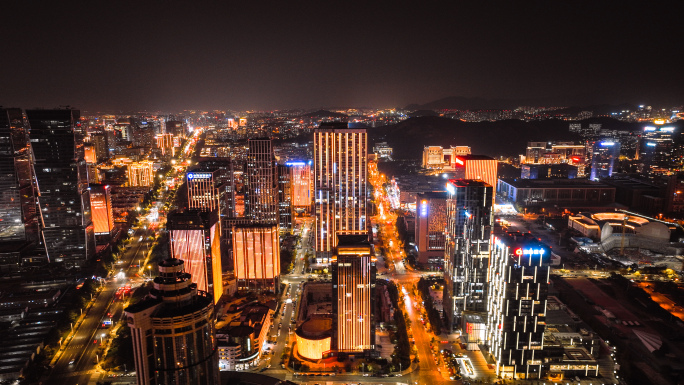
x: 423, y: 208
x: 608, y: 144
x: 458, y: 160
x: 450, y: 188
x: 520, y: 251
x: 199, y: 175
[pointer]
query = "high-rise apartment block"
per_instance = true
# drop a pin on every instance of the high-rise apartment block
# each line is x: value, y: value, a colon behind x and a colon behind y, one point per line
x: 340, y: 179
x: 469, y: 226
x: 194, y: 237
x: 174, y: 341
x: 19, y: 219
x: 353, y: 272
x: 101, y: 206
x: 431, y: 221
x: 62, y: 179
x: 517, y: 296
x: 262, y: 182
x: 256, y: 255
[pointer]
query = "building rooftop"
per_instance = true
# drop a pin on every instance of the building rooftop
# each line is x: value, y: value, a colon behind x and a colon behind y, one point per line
x: 554, y: 183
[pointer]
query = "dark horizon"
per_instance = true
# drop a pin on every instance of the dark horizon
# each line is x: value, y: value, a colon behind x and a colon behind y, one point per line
x: 175, y: 56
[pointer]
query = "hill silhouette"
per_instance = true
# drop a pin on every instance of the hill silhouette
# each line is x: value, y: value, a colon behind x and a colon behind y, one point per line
x: 504, y: 137
x: 324, y: 114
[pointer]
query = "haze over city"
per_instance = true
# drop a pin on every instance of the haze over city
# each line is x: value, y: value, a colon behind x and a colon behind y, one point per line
x: 277, y: 55
x: 399, y: 193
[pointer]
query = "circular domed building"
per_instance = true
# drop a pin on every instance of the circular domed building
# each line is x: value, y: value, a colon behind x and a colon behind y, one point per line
x: 314, y: 337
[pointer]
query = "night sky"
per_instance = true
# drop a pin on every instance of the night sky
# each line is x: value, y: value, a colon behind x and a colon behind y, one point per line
x: 171, y: 55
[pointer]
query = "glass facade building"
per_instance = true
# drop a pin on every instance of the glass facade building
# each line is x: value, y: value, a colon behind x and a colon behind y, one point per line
x: 466, y: 261
x: 62, y: 180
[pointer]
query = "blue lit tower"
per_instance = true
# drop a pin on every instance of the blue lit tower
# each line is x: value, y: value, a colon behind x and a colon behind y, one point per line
x: 603, y: 158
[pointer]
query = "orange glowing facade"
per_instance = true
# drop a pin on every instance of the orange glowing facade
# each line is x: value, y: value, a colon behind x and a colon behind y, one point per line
x: 202, y: 191
x: 353, y: 267
x: 313, y: 338
x: 195, y: 238
x: 476, y: 167
x: 301, y: 183
x: 89, y: 154
x: 166, y: 143
x: 101, y: 208
x: 340, y: 178
x: 256, y: 254
x: 141, y: 174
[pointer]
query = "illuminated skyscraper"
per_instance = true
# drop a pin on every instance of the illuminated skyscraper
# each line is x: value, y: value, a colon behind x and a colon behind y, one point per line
x: 100, y: 142
x: 62, y: 180
x: 195, y: 238
x: 222, y: 181
x: 284, y: 198
x: 301, y: 185
x: 261, y: 181
x: 174, y: 341
x: 101, y: 205
x: 431, y: 222
x: 19, y: 221
x: 89, y: 154
x: 340, y: 192
x: 203, y: 194
x: 256, y: 255
x: 353, y: 276
x: 466, y: 261
x: 166, y: 143
x: 518, y: 290
x: 476, y: 167
x: 604, y: 155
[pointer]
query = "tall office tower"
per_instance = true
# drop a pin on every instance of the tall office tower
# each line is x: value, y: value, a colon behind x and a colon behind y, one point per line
x: 62, y: 180
x: 141, y: 174
x: 284, y: 198
x: 19, y: 220
x: 223, y: 181
x: 469, y: 227
x: 604, y: 155
x: 194, y: 237
x: 340, y: 178
x: 301, y: 185
x: 100, y: 141
x: 431, y: 223
x: 353, y: 276
x: 656, y: 148
x: 174, y: 341
x: 518, y: 290
x: 101, y: 205
x: 203, y: 193
x: 256, y: 255
x: 262, y: 182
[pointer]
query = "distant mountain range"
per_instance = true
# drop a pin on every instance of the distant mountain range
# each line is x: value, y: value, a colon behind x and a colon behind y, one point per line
x: 504, y: 137
x: 463, y: 103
